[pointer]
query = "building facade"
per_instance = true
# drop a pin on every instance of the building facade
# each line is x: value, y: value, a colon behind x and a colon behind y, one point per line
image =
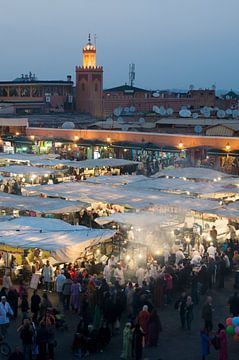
x: 27, y: 95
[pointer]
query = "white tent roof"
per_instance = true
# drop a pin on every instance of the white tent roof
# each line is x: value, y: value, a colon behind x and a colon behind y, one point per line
x: 141, y: 220
x: 65, y: 245
x: 39, y: 205
x: 27, y: 170
x: 100, y: 163
x: 116, y: 180
x: 132, y: 197
x: 193, y: 173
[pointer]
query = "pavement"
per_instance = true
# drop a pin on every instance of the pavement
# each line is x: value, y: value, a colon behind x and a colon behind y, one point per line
x: 174, y: 343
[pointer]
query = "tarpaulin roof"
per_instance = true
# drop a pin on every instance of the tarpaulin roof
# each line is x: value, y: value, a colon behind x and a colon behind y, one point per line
x: 66, y: 244
x: 39, y: 205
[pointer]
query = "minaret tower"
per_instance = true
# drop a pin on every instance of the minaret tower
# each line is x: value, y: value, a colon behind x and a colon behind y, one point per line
x: 89, y: 83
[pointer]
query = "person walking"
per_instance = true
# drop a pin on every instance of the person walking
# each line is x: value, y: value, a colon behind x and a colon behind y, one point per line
x: 5, y: 314
x: 66, y: 292
x: 154, y: 328
x: 12, y: 298
x: 207, y: 314
x: 35, y: 305
x: 138, y: 336
x: 75, y: 296
x: 189, y: 312
x: 233, y: 303
x: 181, y: 307
x: 223, y: 352
x: 143, y: 320
x: 41, y: 340
x: 25, y: 307
x: 26, y: 335
x: 47, y: 274
x: 60, y: 279
x: 205, y: 343
x: 127, y: 342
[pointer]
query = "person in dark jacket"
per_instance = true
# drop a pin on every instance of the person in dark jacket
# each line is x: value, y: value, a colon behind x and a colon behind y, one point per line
x: 25, y: 307
x: 207, y: 314
x: 154, y: 328
x: 26, y: 335
x: 12, y: 297
x: 233, y: 303
x: 138, y: 335
x: 104, y: 336
x: 42, y: 337
x: 181, y: 306
x: 66, y: 292
x: 35, y: 305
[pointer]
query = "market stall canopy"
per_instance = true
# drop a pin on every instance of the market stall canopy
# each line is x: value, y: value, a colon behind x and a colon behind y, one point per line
x: 65, y: 245
x: 193, y: 173
x: 132, y: 198
x: 116, y: 180
x: 40, y: 205
x: 26, y: 170
x: 141, y: 220
x: 100, y: 163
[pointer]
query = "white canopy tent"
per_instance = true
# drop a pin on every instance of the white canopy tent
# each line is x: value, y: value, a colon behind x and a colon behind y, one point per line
x: 132, y: 198
x: 26, y: 170
x: 65, y: 242
x: 193, y: 173
x: 39, y: 204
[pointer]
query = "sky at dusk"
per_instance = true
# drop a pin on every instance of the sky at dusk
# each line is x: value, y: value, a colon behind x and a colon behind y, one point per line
x: 173, y: 43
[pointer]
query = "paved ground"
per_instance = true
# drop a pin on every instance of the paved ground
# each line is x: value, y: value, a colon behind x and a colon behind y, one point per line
x: 173, y: 342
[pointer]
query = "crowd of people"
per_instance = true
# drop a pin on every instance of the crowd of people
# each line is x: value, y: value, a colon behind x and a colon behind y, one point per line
x: 116, y: 298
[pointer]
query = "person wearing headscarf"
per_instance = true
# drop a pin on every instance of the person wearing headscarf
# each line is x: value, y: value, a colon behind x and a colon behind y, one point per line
x: 154, y: 328
x: 127, y: 342
x: 138, y: 336
x: 223, y: 352
x: 143, y: 320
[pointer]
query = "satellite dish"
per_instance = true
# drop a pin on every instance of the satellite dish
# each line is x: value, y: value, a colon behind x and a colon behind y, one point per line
x: 185, y: 113
x: 156, y: 109
x: 132, y: 109
x: 229, y: 112
x: 169, y: 111
x: 68, y: 125
x: 195, y: 115
x: 156, y: 94
x: 117, y: 111
x: 198, y: 129
x: 126, y: 109
x: 221, y: 114
x: 109, y: 121
x: 162, y: 111
x: 120, y: 120
x: 235, y: 113
x: 141, y: 120
x: 125, y: 128
x: 207, y: 113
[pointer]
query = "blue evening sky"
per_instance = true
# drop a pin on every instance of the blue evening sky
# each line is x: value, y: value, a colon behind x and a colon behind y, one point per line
x: 174, y: 43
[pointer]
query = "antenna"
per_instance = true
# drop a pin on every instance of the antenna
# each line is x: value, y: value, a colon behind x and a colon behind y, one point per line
x: 131, y: 74
x: 95, y: 38
x: 89, y: 39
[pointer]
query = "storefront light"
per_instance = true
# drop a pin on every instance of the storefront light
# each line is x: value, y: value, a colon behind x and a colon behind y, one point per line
x: 127, y: 257
x: 17, y: 134
x: 76, y: 138
x: 32, y: 137
x: 108, y: 139
x: 228, y: 147
x: 180, y: 145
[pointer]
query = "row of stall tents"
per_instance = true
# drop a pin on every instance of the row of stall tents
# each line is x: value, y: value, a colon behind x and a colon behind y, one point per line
x: 64, y: 242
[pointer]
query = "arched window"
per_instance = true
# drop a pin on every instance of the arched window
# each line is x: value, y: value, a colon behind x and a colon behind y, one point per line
x: 83, y: 87
x: 96, y: 87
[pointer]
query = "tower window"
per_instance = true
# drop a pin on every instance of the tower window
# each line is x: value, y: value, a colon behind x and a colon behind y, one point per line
x: 96, y: 87
x: 83, y: 87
